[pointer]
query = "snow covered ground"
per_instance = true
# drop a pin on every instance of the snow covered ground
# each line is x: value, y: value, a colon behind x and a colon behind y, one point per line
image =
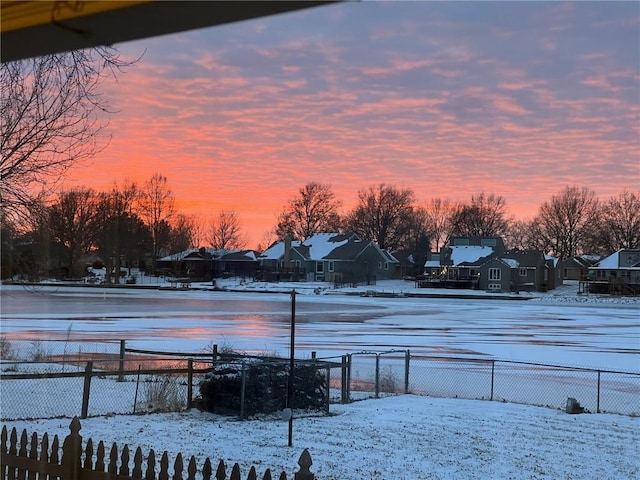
x: 401, y: 438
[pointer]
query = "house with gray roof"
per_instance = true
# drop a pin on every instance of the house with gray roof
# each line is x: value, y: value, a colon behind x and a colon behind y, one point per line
x: 341, y: 258
x: 207, y: 263
x: 483, y: 263
x: 617, y: 274
x: 577, y: 267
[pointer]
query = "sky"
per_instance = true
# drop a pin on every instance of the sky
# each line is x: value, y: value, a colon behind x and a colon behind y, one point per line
x: 449, y: 99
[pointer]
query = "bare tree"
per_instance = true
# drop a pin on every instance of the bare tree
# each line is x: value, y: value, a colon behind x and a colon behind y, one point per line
x: 156, y: 205
x: 49, y: 107
x: 619, y: 226
x: 183, y: 233
x: 71, y: 223
x: 267, y: 239
x: 314, y: 210
x: 226, y: 232
x: 525, y: 235
x: 567, y: 220
x: 117, y: 227
x: 485, y: 216
x: 439, y: 212
x: 381, y: 215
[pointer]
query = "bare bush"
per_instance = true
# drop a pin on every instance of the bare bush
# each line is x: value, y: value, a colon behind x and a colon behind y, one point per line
x: 388, y: 381
x: 164, y: 393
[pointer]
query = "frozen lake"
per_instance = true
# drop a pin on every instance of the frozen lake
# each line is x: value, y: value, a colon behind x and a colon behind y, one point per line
x: 594, y: 335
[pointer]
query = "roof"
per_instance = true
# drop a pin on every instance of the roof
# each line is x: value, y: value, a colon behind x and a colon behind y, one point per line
x: 240, y: 256
x: 322, y: 244
x: 512, y: 262
x: 326, y: 246
x: 404, y: 256
x: 203, y: 253
x: 615, y: 260
x: 31, y: 29
x: 276, y: 251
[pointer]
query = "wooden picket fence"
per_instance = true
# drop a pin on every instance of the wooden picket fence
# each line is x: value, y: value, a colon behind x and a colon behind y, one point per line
x: 26, y: 458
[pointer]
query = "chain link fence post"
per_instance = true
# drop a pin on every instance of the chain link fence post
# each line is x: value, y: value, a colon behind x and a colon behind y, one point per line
x: 407, y: 361
x: 493, y: 371
x: 598, y: 397
x: 190, y: 383
x: 87, y: 389
x: 121, y: 362
x: 349, y: 363
x: 377, y: 375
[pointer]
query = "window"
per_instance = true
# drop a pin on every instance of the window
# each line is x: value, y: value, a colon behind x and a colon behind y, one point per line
x: 495, y: 286
x: 523, y: 272
x: 319, y: 267
x: 379, y: 265
x: 495, y: 274
x: 331, y: 266
x: 386, y: 265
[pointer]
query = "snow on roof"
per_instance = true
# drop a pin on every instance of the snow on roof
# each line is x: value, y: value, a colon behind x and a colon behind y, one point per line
x: 469, y: 253
x: 612, y: 261
x: 214, y: 252
x: 432, y: 263
x: 512, y: 262
x: 275, y: 251
x: 629, y: 259
x: 322, y: 244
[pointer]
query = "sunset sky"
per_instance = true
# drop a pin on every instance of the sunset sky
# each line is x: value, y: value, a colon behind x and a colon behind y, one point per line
x: 449, y: 99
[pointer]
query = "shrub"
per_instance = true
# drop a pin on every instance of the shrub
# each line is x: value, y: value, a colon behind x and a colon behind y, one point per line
x: 38, y: 352
x: 7, y: 351
x: 265, y: 388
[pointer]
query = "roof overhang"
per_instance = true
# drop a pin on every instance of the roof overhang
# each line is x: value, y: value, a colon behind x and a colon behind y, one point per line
x: 35, y: 28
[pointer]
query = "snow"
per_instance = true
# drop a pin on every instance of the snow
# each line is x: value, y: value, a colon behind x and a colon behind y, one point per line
x: 513, y: 263
x: 612, y: 261
x: 469, y: 253
x: 403, y: 437
x: 321, y: 244
x: 277, y: 250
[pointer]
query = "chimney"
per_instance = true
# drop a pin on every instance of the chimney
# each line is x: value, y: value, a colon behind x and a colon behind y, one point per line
x: 287, y: 251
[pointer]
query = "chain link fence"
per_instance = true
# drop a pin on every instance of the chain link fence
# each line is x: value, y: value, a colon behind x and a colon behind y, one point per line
x: 112, y: 379
x: 62, y: 379
x: 598, y: 391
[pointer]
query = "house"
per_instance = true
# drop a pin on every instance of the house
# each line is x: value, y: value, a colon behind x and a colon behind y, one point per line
x: 236, y: 263
x: 577, y: 268
x: 617, y: 274
x: 483, y: 263
x: 458, y: 265
x: 207, y: 263
x: 406, y: 266
x: 327, y: 257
